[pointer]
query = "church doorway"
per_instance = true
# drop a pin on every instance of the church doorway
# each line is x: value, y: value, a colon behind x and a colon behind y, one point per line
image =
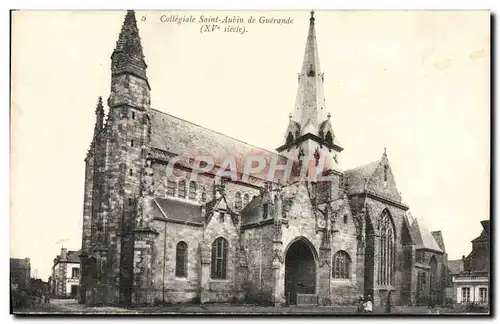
x: 300, y: 270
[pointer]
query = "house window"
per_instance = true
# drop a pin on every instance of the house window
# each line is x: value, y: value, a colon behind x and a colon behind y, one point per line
x: 182, y: 189
x: 465, y: 294
x: 238, y: 202
x: 130, y: 172
x: 483, y: 295
x: 181, y: 260
x: 219, y: 258
x: 133, y: 115
x: 386, y: 250
x: 192, y: 190
x: 75, y: 272
x: 170, y: 188
x: 345, y: 219
x: 341, y: 265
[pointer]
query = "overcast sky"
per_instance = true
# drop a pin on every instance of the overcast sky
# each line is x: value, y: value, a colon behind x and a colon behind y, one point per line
x: 414, y: 82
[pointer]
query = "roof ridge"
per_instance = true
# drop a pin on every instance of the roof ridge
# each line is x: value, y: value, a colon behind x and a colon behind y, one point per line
x: 233, y: 138
x: 363, y: 165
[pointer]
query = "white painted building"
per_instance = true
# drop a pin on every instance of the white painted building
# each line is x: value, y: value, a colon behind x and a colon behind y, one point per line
x: 66, y: 274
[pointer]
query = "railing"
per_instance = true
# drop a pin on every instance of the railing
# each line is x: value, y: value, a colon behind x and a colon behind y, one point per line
x: 469, y: 278
x: 307, y: 300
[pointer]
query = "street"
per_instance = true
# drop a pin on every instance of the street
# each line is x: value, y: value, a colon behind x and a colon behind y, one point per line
x: 70, y: 306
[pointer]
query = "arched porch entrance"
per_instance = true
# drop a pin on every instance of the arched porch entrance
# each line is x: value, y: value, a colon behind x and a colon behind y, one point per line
x: 300, y: 270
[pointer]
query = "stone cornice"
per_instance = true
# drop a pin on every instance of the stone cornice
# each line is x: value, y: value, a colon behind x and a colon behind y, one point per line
x: 257, y: 224
x: 176, y: 221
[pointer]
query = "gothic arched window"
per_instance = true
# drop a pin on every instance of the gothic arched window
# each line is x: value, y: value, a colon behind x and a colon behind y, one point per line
x: 386, y: 251
x: 181, y: 260
x: 433, y: 274
x: 219, y: 258
x: 237, y: 201
x: 192, y: 190
x: 341, y: 268
x: 246, y: 199
x: 182, y: 189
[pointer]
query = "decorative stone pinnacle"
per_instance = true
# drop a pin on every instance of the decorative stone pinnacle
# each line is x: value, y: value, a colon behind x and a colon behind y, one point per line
x: 312, y: 14
x: 329, y: 115
x: 290, y: 116
x: 385, y: 150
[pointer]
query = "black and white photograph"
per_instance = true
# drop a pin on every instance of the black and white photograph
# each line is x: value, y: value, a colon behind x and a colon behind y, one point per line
x: 272, y: 162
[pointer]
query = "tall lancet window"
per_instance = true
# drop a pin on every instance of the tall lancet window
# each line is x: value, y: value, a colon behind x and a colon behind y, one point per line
x: 386, y: 260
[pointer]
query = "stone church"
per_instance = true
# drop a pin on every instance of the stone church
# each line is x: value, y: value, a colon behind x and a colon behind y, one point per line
x: 151, y: 238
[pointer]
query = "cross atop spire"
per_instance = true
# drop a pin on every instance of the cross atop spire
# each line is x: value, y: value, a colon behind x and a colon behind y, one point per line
x: 312, y: 14
x: 128, y: 55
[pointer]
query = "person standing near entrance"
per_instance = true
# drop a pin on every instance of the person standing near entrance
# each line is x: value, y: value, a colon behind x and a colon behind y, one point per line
x: 369, y: 304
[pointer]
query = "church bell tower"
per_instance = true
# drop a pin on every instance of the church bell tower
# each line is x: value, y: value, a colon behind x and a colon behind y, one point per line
x: 310, y: 134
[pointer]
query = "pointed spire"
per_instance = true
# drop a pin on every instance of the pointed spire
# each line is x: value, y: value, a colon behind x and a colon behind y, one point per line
x: 99, y: 112
x: 128, y: 56
x: 310, y: 100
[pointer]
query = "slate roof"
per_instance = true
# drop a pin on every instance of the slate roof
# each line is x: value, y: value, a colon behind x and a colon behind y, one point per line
x: 485, y: 234
x: 438, y: 236
x: 456, y: 266
x: 252, y: 211
x: 356, y: 177
x: 178, y: 136
x: 423, y: 237
x: 73, y: 256
x: 177, y: 210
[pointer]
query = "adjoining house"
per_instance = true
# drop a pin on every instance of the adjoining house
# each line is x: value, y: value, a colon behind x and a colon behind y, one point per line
x: 65, y: 274
x: 470, y: 276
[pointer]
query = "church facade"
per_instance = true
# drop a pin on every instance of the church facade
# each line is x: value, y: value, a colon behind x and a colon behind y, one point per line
x: 151, y: 236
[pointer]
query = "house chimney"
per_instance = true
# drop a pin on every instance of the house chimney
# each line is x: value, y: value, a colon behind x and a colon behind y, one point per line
x: 64, y: 253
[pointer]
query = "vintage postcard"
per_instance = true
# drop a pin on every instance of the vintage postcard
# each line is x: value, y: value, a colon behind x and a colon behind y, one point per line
x: 250, y: 162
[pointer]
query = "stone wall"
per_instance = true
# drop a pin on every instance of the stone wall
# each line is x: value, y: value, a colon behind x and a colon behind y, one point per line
x: 345, y: 239
x: 221, y: 290
x: 375, y: 209
x: 167, y: 287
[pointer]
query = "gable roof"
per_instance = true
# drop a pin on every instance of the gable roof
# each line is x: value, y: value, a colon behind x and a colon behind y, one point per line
x: 178, y: 136
x: 356, y: 177
x: 423, y: 237
x: 177, y: 210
